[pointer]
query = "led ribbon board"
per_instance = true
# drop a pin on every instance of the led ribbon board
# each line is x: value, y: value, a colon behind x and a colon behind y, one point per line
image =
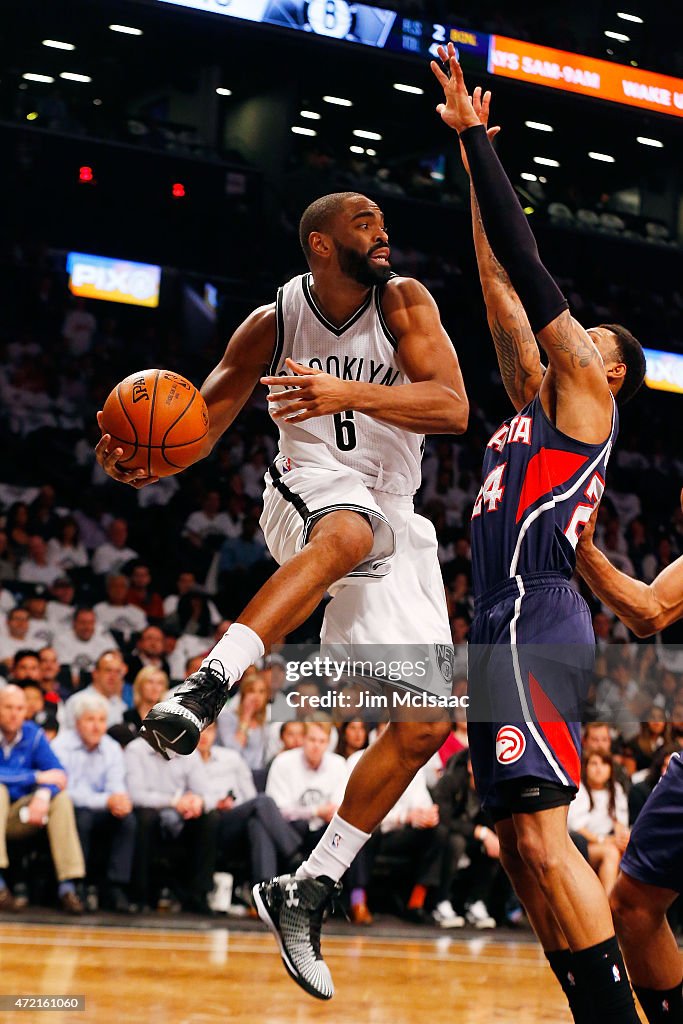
x: 571, y: 72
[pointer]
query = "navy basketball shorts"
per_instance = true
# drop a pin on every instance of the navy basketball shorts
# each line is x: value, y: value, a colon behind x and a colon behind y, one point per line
x: 531, y: 653
x: 654, y: 854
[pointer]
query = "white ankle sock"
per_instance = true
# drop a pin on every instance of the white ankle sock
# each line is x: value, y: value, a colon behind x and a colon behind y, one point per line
x: 336, y: 849
x: 236, y: 650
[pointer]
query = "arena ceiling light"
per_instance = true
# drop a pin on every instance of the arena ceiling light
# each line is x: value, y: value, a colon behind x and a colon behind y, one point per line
x: 126, y: 30
x: 630, y: 17
x: 371, y: 152
x: 223, y: 92
x: 337, y: 101
x: 604, y: 158
x: 546, y: 161
x: 298, y: 130
x: 356, y: 149
x: 644, y: 141
x: 360, y: 133
x: 55, y: 44
x: 619, y: 36
x: 30, y: 77
x: 539, y: 126
x: 71, y: 76
x: 414, y: 89
x: 310, y: 115
x: 528, y: 177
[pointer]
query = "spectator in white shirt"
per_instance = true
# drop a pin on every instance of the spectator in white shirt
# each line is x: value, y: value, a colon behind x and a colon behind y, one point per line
x: 65, y: 550
x: 17, y: 636
x: 117, y: 613
x: 114, y: 554
x: 207, y: 523
x: 81, y: 645
x: 60, y: 610
x: 96, y: 776
x: 41, y: 629
x: 598, y: 818
x: 305, y: 783
x: 107, y: 681
x: 36, y: 568
x: 185, y: 583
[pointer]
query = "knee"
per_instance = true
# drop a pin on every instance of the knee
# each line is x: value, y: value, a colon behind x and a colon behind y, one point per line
x: 633, y: 916
x: 346, y: 537
x: 538, y: 856
x: 264, y: 805
x: 417, y: 741
x: 510, y: 857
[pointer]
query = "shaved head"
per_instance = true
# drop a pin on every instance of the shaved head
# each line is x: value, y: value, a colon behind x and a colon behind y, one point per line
x: 320, y: 214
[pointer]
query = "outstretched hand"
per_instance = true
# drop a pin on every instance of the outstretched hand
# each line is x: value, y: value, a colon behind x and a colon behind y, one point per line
x: 480, y: 101
x: 458, y: 111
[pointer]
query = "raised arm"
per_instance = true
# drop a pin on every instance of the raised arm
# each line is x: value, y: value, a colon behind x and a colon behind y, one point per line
x: 575, y: 360
x: 434, y: 402
x: 225, y: 390
x: 519, y: 360
x: 644, y: 609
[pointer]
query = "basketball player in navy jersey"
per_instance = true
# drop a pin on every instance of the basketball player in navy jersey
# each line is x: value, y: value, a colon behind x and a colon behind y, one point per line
x: 531, y: 641
x: 369, y: 369
x: 651, y: 877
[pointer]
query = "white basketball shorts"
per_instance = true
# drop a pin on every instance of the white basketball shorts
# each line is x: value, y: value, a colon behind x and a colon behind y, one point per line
x: 402, y: 600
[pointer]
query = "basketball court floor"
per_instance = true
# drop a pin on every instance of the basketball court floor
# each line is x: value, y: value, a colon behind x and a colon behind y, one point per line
x: 179, y: 976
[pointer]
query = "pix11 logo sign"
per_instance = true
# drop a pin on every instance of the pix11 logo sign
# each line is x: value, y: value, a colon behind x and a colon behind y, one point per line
x: 100, y: 277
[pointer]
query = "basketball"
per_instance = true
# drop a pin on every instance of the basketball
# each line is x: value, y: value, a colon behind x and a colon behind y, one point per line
x: 159, y: 419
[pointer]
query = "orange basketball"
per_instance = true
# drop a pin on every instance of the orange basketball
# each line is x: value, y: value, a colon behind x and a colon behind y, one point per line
x: 159, y: 419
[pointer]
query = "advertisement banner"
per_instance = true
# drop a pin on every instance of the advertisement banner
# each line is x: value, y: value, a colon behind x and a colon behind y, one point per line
x: 664, y: 370
x: 99, y: 277
x: 589, y: 76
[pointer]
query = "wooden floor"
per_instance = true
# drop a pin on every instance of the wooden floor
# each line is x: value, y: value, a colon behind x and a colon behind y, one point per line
x: 217, y: 976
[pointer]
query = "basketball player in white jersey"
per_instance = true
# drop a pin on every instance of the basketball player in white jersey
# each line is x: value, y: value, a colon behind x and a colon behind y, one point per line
x: 369, y: 370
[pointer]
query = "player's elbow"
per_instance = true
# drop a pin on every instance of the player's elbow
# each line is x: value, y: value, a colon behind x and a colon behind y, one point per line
x: 457, y: 414
x: 649, y: 623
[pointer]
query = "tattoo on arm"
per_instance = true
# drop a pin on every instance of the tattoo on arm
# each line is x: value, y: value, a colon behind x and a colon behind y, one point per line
x: 509, y: 343
x: 566, y: 338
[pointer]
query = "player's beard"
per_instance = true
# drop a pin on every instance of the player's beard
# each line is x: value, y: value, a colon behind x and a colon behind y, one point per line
x: 360, y: 268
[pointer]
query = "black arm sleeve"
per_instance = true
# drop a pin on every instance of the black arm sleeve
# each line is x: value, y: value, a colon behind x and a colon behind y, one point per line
x: 508, y: 232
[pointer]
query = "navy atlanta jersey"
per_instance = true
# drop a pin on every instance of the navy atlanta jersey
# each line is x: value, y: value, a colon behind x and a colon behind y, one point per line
x: 540, y: 488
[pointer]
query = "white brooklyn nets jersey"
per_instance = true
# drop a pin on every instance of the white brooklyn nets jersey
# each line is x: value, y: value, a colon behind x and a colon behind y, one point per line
x: 362, y: 349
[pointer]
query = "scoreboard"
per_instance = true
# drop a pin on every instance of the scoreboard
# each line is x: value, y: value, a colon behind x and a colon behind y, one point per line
x: 478, y: 52
x: 354, y: 23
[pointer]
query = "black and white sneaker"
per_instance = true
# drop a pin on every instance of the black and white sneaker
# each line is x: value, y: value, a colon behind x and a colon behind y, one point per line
x: 173, y: 726
x: 294, y: 909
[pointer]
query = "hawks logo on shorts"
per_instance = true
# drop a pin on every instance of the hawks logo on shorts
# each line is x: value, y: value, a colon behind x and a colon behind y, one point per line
x: 510, y: 744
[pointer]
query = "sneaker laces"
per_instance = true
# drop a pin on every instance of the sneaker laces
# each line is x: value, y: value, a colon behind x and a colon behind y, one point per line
x: 331, y: 903
x: 204, y: 692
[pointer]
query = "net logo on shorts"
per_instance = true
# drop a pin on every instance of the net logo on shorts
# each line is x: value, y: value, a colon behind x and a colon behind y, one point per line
x: 510, y: 744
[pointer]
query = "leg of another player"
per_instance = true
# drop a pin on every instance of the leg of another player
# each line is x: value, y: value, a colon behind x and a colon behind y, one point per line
x: 374, y: 786
x: 544, y: 923
x: 579, y: 903
x: 650, y: 949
